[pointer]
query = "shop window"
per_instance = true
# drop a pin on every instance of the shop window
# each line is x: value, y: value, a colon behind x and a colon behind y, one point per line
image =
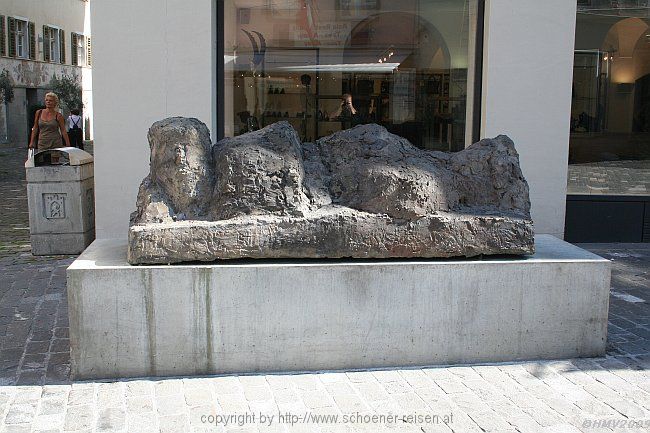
x: 325, y: 66
x: 609, y: 151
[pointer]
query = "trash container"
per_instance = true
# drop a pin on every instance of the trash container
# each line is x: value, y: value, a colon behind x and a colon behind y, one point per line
x: 60, y: 193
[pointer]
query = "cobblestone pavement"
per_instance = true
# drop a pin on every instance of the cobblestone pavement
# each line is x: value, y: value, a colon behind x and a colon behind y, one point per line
x: 37, y: 395
x: 610, y: 177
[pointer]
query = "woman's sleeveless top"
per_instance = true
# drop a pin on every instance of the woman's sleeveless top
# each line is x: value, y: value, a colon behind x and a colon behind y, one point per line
x: 49, y: 135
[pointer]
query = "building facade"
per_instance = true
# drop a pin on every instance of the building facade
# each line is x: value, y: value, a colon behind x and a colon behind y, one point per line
x: 442, y: 73
x: 41, y: 39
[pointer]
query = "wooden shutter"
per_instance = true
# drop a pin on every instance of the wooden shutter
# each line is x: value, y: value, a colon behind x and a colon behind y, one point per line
x: 73, y: 49
x: 46, y: 44
x: 62, y: 46
x: 32, y: 41
x: 89, y: 52
x: 3, y: 37
x: 12, y: 37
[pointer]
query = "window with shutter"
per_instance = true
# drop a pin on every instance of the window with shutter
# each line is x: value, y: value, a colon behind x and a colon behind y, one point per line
x: 3, y: 37
x: 12, y: 36
x: 89, y: 52
x: 32, y: 41
x: 47, y: 55
x: 53, y: 45
x: 62, y: 46
x: 19, y: 38
x: 73, y: 49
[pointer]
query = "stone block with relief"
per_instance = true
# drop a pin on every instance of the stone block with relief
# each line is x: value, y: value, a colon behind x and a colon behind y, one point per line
x: 359, y: 193
x: 60, y: 193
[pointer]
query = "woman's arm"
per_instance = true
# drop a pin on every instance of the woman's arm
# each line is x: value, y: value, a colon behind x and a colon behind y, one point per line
x: 337, y: 113
x: 32, y: 145
x: 64, y: 133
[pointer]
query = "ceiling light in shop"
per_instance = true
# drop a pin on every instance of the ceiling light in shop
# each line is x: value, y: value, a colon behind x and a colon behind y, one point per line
x: 358, y: 67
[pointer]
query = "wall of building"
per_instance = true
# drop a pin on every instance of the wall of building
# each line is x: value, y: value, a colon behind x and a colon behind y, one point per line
x: 70, y: 16
x: 159, y: 64
x: 66, y: 14
x: 169, y: 49
x: 28, y: 75
x: 528, y: 73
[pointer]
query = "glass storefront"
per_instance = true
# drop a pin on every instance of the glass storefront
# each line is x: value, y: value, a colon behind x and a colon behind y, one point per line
x: 327, y: 65
x: 610, y: 114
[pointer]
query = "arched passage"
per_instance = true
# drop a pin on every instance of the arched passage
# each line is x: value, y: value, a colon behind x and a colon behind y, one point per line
x: 414, y: 66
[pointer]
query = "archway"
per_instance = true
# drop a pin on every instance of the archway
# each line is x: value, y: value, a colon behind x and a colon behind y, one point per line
x: 413, y: 64
x: 421, y: 44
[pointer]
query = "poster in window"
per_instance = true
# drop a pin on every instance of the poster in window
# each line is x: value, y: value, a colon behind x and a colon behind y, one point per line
x: 351, y: 9
x: 402, y: 99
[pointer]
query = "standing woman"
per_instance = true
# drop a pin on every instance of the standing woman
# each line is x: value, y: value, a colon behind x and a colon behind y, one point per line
x: 49, y: 126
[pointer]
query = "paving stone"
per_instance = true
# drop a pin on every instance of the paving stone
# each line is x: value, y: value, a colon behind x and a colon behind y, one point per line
x: 31, y: 377
x: 20, y: 413
x: 48, y: 421
x: 170, y: 404
x: 140, y: 404
x: 142, y: 423
x: 52, y: 406
x: 15, y: 428
x: 350, y: 403
x: 396, y: 387
x: 233, y: 403
x: 139, y: 388
x: 285, y: 396
x: 469, y: 401
x: 79, y: 418
x: 111, y: 419
x: 317, y: 399
x: 36, y: 347
x: 489, y: 421
x: 168, y: 387
x: 451, y: 386
x: 82, y: 396
x: 201, y: 396
x: 258, y: 393
x: 110, y: 394
x: 173, y: 423
x: 228, y: 385
x: 341, y: 388
x: 37, y: 361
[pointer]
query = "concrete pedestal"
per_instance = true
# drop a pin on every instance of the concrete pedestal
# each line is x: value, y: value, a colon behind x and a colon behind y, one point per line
x: 313, y: 315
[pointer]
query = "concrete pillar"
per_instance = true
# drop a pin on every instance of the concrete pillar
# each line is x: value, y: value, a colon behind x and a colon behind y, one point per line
x: 527, y: 79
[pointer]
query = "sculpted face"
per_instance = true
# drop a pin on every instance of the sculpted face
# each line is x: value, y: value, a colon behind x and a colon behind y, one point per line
x: 181, y: 162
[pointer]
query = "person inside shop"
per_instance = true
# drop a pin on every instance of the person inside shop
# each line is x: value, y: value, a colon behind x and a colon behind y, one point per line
x: 74, y: 129
x: 49, y: 126
x: 346, y: 112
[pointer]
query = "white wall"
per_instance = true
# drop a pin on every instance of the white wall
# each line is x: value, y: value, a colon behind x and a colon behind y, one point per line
x: 66, y: 14
x: 528, y: 73
x: 151, y: 59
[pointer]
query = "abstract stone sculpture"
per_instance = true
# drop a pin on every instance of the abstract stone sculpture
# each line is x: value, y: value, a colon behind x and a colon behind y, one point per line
x: 362, y: 193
